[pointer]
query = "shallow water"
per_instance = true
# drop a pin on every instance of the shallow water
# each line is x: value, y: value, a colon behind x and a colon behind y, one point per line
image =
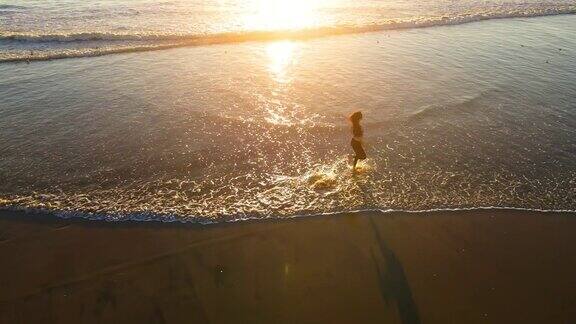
x: 466, y: 116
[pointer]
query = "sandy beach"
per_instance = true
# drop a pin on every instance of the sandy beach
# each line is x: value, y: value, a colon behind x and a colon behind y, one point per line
x: 443, y: 267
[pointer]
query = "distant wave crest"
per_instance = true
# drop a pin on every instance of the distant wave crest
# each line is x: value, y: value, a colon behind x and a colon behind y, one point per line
x: 97, y: 43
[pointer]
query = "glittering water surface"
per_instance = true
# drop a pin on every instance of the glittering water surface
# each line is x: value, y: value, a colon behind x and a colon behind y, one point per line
x: 464, y: 116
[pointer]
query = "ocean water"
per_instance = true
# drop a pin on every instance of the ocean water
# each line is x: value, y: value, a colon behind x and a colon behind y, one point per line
x: 476, y: 115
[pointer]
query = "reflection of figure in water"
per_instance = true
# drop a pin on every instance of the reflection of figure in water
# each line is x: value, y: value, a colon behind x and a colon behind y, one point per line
x: 357, y: 138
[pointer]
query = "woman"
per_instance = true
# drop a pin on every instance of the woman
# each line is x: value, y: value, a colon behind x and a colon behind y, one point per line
x: 357, y: 138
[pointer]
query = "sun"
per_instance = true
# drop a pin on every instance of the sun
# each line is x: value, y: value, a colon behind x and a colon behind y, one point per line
x: 282, y: 14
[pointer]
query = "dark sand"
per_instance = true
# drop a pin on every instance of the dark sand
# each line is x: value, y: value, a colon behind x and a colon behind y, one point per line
x: 444, y: 267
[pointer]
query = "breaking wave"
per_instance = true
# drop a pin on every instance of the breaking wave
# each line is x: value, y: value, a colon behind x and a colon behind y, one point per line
x: 87, y: 44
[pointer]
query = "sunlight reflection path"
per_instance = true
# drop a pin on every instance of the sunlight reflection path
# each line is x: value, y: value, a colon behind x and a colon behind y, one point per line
x: 281, y: 57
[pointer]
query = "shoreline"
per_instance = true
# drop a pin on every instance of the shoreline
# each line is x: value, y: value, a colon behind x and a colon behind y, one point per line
x: 477, y: 266
x: 153, y: 218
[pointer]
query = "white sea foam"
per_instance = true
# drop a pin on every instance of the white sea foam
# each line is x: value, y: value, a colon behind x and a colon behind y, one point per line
x: 174, y: 218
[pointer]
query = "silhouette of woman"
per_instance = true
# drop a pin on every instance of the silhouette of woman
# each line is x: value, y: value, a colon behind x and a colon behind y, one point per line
x: 356, y: 141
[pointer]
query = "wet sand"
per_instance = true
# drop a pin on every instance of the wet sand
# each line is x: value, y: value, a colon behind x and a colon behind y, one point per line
x: 443, y: 267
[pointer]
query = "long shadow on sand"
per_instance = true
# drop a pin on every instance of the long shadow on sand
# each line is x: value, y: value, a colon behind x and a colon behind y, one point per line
x: 393, y: 282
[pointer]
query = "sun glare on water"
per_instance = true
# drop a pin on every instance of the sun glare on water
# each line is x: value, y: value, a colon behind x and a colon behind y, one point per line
x: 281, y: 57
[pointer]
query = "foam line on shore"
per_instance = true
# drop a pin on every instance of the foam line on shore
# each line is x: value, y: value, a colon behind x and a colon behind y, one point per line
x: 160, y: 218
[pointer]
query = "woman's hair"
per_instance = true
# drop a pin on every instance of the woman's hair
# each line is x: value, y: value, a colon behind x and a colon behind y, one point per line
x: 355, y: 117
